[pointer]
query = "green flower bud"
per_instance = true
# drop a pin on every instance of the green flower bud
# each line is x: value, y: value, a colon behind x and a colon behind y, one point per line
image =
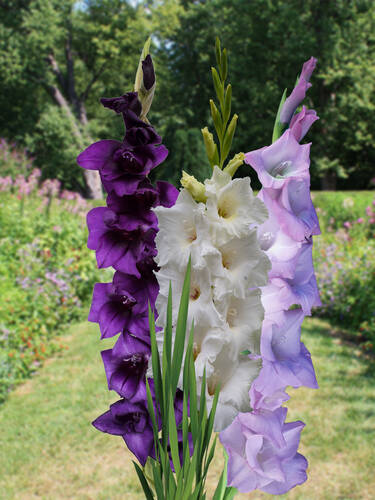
x: 234, y: 163
x: 195, y: 188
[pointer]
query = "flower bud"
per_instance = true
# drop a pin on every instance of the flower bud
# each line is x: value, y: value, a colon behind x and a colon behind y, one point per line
x: 195, y: 188
x: 234, y: 163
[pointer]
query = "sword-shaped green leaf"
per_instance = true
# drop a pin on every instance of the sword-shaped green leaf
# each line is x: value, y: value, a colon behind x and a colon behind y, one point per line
x: 279, y: 127
x: 143, y: 481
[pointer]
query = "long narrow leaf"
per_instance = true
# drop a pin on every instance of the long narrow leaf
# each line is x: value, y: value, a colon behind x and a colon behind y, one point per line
x: 210, y: 456
x: 143, y: 481
x: 194, y: 419
x: 173, y: 438
x: 166, y: 368
x: 153, y: 416
x: 158, y: 481
x: 179, y: 344
x: 155, y: 360
x: 278, y: 126
x: 211, y: 418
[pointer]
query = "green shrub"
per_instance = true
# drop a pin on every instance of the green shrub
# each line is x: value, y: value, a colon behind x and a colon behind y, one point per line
x: 345, y: 270
x: 47, y: 276
x: 334, y: 208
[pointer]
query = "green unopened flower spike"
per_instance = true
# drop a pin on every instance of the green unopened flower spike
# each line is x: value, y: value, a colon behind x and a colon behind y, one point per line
x: 220, y: 114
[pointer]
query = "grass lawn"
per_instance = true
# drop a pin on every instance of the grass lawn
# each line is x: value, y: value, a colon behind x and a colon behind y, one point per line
x: 49, y: 449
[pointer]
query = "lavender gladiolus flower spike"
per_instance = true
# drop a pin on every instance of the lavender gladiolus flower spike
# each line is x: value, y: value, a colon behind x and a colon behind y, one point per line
x: 299, y: 92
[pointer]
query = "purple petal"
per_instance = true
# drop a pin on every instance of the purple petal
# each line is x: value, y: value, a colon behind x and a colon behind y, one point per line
x: 148, y: 72
x: 123, y: 103
x: 141, y: 444
x: 96, y: 226
x: 302, y: 121
x: 295, y: 473
x: 168, y: 194
x: 293, y: 101
x: 98, y: 155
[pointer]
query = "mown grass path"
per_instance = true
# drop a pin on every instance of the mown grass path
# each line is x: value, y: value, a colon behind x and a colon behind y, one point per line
x: 49, y: 450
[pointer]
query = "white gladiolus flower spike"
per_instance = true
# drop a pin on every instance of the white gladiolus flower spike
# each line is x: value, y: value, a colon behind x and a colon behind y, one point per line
x: 228, y: 264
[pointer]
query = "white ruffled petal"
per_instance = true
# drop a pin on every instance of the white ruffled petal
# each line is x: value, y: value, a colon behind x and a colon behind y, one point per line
x: 183, y: 232
x: 232, y: 208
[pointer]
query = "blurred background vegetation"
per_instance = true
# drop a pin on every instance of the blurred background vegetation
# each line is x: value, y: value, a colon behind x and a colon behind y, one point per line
x: 58, y: 57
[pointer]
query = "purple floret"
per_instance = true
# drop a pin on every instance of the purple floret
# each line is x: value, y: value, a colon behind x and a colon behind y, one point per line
x: 299, y: 92
x: 122, y: 165
x: 122, y: 104
x: 286, y: 361
x: 123, y: 304
x: 131, y: 421
x: 115, y: 244
x: 282, y: 160
x: 125, y: 367
x: 262, y: 452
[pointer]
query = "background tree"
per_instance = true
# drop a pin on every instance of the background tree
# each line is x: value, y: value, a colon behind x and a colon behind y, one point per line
x: 57, y: 58
x: 267, y: 44
x: 70, y: 52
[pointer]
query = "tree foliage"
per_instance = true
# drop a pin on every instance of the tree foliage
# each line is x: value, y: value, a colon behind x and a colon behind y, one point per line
x: 57, y: 58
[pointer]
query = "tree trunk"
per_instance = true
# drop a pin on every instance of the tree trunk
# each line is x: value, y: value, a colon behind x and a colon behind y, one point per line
x: 92, y: 177
x: 93, y: 184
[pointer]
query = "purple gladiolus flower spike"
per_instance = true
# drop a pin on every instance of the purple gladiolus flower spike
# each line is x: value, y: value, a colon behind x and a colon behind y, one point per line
x: 133, y: 423
x: 123, y: 304
x: 302, y: 121
x: 299, y: 92
x: 125, y: 367
x: 262, y: 451
x: 283, y: 159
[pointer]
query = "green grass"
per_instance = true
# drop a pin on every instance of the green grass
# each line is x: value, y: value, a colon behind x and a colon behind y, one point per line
x: 49, y: 450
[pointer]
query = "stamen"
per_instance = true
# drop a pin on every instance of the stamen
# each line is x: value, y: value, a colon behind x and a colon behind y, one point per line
x: 280, y: 169
x: 195, y: 292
